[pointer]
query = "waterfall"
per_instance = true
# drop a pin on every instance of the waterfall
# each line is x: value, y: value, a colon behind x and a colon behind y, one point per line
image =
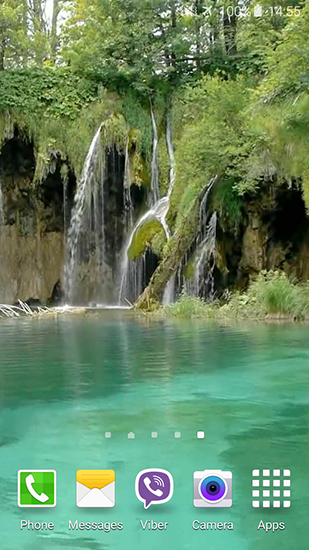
x: 158, y: 211
x: 205, y: 261
x: 1, y: 202
x: 171, y: 156
x: 65, y: 178
x: 85, y: 240
x: 127, y: 200
x: 201, y: 284
x: 169, y: 291
x: 133, y: 271
x: 155, y: 192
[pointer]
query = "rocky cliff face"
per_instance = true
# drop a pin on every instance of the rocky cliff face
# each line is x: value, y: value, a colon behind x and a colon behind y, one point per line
x: 274, y: 234
x: 32, y: 233
x: 36, y: 216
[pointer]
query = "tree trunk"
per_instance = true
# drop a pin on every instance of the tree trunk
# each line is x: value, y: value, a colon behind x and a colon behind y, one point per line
x: 2, y: 53
x: 54, y: 29
x: 229, y: 31
x: 174, y: 25
x: 38, y: 15
x: 197, y: 13
x: 25, y: 32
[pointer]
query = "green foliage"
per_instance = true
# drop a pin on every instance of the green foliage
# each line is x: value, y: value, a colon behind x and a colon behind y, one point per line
x: 137, y: 116
x: 27, y: 37
x: 189, y: 307
x: 272, y: 295
x: 274, y: 292
x: 49, y: 92
x: 237, y: 90
x: 144, y: 44
x: 213, y: 140
x: 288, y: 63
x: 60, y: 111
x: 227, y: 202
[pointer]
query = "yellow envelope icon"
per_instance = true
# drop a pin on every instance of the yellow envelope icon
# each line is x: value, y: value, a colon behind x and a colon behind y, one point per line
x: 95, y: 488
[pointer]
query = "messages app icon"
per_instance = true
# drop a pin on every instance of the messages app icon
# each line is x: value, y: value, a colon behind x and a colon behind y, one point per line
x: 95, y: 488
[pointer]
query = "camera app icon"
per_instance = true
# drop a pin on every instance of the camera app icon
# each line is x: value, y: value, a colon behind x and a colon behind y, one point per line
x: 212, y: 489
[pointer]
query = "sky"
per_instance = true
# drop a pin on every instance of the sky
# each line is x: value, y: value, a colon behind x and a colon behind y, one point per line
x: 49, y: 10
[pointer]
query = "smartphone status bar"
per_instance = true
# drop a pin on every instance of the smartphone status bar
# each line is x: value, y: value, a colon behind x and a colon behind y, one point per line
x: 257, y: 10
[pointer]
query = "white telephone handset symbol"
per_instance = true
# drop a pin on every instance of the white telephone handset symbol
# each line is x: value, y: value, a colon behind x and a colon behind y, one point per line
x: 157, y: 492
x: 29, y: 482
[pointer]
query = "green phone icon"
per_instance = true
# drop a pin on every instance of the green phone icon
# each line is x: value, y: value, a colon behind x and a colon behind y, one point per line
x: 36, y: 488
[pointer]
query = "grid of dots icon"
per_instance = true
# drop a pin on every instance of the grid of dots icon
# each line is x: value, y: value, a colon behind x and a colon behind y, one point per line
x: 271, y: 488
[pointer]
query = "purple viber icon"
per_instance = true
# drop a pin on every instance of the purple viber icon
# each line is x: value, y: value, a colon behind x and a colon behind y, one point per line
x: 154, y: 486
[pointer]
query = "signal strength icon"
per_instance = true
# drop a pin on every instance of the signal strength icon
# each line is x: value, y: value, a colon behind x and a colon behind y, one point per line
x: 258, y: 10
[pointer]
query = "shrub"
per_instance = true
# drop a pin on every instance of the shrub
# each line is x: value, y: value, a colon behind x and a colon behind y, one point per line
x: 271, y: 294
x: 275, y: 292
x: 189, y: 307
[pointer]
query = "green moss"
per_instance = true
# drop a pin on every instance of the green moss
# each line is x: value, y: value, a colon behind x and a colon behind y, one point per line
x: 159, y: 243
x: 174, y: 251
x: 65, y: 136
x: 141, y: 175
x: 61, y: 111
x: 189, y: 269
x: 227, y: 202
x: 164, y: 166
x: 143, y: 238
x: 138, y: 117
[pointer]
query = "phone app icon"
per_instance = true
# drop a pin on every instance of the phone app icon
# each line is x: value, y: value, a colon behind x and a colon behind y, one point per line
x: 37, y: 488
x: 154, y: 486
x: 212, y: 489
x: 95, y: 488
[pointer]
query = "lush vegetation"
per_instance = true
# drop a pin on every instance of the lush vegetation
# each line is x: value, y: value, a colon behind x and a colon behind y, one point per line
x: 238, y: 86
x: 235, y: 88
x: 272, y: 295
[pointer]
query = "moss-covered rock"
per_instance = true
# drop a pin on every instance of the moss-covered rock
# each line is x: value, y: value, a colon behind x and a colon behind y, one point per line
x: 174, y: 251
x: 143, y: 237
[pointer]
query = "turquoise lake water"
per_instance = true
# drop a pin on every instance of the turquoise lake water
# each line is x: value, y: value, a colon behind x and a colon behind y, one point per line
x: 65, y: 382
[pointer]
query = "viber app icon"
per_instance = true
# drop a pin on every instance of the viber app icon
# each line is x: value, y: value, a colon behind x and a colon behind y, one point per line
x: 154, y: 486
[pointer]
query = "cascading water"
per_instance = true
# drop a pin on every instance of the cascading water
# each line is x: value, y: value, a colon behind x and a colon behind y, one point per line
x: 158, y: 211
x: 202, y: 282
x: 171, y: 156
x: 205, y: 262
x: 155, y: 192
x: 85, y: 240
x: 169, y: 291
x: 65, y: 178
x: 1, y: 202
x: 127, y: 200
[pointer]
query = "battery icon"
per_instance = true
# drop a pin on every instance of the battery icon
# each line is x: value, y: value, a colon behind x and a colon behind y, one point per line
x: 258, y: 10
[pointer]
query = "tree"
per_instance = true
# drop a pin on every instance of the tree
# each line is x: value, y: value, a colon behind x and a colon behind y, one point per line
x: 146, y: 44
x: 54, y: 29
x: 13, y: 15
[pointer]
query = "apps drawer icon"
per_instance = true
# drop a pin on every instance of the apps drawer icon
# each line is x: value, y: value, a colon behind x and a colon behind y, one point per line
x: 95, y: 488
